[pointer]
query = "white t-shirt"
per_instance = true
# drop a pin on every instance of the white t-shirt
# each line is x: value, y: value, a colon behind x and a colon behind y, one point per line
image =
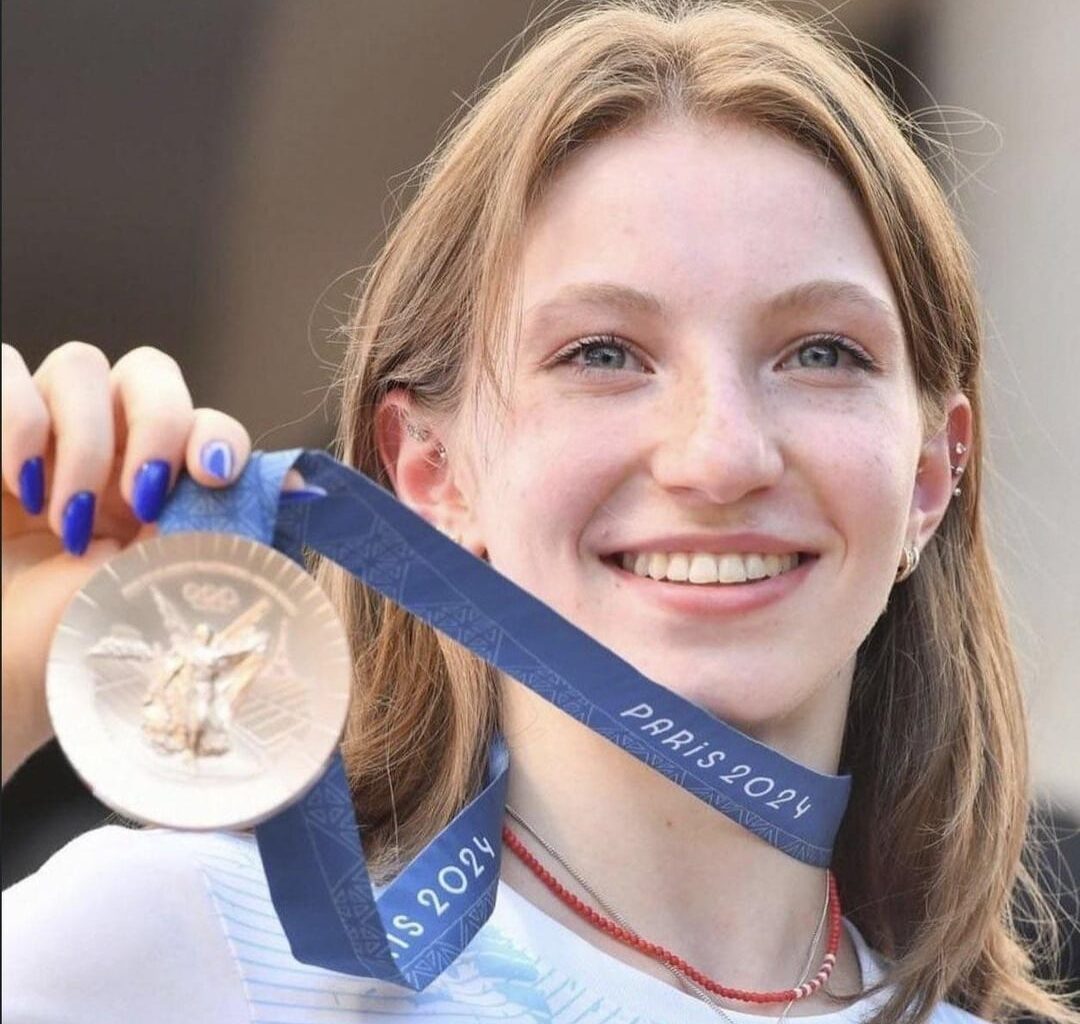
x: 126, y: 925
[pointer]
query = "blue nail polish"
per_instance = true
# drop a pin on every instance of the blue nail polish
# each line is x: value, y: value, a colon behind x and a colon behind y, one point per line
x: 78, y: 522
x: 310, y: 493
x: 217, y: 459
x: 32, y: 485
x: 151, y: 483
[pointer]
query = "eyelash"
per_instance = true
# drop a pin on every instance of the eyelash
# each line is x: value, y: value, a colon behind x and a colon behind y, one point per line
x: 862, y: 360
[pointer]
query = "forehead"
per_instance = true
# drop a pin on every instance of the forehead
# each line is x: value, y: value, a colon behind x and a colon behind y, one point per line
x: 712, y: 217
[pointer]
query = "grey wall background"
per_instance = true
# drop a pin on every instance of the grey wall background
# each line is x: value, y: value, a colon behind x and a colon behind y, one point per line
x: 205, y: 177
x: 1015, y: 64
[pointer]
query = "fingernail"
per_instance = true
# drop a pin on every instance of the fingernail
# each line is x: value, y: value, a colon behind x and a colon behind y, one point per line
x: 32, y: 485
x: 78, y: 521
x: 151, y: 483
x: 217, y: 459
x: 310, y: 493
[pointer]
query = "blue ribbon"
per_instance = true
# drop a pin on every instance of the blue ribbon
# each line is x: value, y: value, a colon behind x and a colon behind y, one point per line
x: 430, y: 911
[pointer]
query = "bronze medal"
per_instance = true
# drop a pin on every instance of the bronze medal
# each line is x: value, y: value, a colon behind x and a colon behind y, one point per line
x: 199, y: 681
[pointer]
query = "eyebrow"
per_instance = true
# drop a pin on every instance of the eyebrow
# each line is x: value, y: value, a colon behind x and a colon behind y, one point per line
x: 599, y: 293
x: 822, y: 291
x: 808, y: 293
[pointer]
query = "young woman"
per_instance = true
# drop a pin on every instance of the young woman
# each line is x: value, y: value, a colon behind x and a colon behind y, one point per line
x: 680, y: 335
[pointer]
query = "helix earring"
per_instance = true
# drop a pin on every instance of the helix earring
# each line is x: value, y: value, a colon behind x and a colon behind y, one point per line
x: 422, y: 434
x: 909, y: 563
x: 958, y: 471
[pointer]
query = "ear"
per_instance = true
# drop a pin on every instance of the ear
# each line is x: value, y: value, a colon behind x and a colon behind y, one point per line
x: 936, y: 477
x: 416, y: 458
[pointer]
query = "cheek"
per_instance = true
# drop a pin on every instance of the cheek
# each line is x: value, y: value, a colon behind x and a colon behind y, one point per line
x: 538, y: 485
x: 863, y: 469
x: 560, y: 447
x: 864, y: 441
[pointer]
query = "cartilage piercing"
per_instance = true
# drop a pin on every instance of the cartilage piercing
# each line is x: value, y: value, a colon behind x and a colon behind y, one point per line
x: 422, y: 434
x: 960, y: 448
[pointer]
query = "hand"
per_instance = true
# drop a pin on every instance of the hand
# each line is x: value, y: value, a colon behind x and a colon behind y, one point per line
x: 94, y: 450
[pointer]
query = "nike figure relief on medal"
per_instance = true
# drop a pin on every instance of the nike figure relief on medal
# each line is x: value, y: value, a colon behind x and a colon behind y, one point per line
x: 197, y: 681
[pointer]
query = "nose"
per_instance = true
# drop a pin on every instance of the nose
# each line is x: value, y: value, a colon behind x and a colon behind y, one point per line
x: 717, y: 439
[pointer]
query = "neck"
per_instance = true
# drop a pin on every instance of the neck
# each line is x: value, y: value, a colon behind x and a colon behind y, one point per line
x: 680, y: 873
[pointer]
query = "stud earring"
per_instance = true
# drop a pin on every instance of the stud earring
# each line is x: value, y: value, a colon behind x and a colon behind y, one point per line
x: 958, y: 471
x: 422, y: 434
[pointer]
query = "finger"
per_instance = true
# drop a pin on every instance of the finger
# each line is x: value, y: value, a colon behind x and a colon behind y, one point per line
x: 294, y: 490
x: 217, y: 448
x: 152, y: 401
x: 25, y: 432
x: 293, y: 481
x: 74, y: 383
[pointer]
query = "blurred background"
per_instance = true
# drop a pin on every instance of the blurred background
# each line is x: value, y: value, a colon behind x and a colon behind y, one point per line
x: 208, y: 177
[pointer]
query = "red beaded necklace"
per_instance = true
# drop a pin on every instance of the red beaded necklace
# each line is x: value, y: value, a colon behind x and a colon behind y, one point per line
x: 658, y: 952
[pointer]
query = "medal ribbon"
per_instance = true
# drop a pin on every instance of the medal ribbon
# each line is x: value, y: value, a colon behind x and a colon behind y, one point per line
x: 421, y: 921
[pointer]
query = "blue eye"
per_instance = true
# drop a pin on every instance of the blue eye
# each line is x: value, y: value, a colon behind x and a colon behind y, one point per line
x: 602, y: 352
x: 825, y: 352
x: 605, y: 352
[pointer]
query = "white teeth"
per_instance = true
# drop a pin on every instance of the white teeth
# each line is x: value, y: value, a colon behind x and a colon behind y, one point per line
x: 704, y: 567
x: 755, y: 567
x: 730, y: 569
x: 679, y: 567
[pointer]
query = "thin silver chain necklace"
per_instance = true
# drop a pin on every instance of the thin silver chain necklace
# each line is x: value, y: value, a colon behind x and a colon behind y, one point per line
x: 702, y: 993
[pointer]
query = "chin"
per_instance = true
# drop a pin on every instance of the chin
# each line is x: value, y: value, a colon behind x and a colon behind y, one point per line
x: 749, y: 706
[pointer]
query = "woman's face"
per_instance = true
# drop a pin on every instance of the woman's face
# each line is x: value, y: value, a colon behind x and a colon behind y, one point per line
x: 704, y: 265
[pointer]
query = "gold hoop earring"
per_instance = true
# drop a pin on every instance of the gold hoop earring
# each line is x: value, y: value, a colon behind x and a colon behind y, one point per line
x: 908, y: 564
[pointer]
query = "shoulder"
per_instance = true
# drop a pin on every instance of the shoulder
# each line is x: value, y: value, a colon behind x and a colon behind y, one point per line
x: 119, y: 925
x: 874, y: 969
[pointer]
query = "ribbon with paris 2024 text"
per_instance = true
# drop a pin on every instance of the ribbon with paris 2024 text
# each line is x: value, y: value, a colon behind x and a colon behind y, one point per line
x: 416, y: 926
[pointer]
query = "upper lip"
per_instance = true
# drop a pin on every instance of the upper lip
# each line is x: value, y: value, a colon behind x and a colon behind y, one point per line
x: 746, y: 542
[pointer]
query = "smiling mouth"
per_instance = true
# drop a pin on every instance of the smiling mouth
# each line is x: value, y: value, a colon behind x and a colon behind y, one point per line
x: 691, y: 570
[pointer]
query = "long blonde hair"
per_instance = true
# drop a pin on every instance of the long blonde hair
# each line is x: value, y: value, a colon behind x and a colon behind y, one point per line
x: 930, y: 854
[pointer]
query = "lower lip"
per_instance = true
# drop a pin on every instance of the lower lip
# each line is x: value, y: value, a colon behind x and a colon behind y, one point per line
x: 716, y: 598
